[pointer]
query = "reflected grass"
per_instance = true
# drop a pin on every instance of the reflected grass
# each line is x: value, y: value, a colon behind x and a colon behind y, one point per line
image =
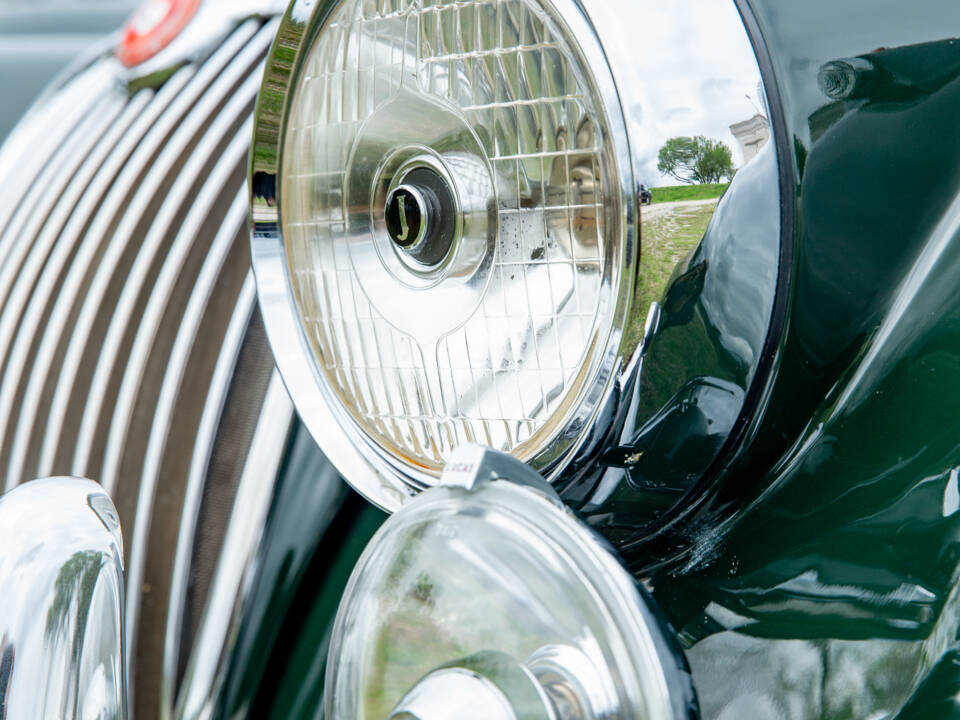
x: 668, y: 234
x: 680, y: 193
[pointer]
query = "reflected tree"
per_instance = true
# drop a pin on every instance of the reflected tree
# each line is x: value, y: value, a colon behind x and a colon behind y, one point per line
x: 696, y: 159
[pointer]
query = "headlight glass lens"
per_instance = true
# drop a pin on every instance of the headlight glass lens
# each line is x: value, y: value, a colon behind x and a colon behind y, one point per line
x: 483, y: 308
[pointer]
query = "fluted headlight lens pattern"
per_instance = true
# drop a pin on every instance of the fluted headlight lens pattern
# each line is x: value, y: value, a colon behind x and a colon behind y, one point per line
x: 502, y: 337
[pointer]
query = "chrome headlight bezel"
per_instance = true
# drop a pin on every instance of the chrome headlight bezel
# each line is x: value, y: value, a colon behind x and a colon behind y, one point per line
x: 382, y: 479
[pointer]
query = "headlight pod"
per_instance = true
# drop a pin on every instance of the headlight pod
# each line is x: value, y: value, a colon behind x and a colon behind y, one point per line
x: 485, y: 598
x: 447, y: 246
x: 455, y: 207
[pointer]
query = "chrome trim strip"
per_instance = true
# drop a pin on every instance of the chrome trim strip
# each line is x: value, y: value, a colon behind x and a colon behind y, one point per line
x: 101, y: 207
x: 61, y: 629
x: 236, y: 568
x: 176, y: 362
x: 165, y: 282
x: 48, y: 188
x: 223, y: 71
x: 197, y: 478
x: 103, y: 198
x: 51, y: 186
x: 80, y: 266
x: 214, y: 19
x: 31, y: 146
x: 35, y: 283
x: 54, y: 267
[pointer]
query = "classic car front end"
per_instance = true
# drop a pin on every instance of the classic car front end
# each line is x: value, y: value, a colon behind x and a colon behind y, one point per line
x: 410, y: 406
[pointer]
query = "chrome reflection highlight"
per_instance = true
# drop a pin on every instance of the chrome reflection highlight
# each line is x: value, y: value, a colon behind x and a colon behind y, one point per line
x: 484, y: 597
x: 61, y: 639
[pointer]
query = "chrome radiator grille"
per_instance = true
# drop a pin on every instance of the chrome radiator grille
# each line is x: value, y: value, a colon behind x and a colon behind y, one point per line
x: 125, y: 300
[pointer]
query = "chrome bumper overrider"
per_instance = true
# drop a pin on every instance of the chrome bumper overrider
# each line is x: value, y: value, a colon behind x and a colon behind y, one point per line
x: 61, y: 628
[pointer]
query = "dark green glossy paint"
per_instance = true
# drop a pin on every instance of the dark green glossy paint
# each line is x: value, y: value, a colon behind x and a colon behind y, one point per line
x: 316, y: 529
x: 822, y: 561
x: 299, y: 693
x: 700, y: 365
x: 813, y: 572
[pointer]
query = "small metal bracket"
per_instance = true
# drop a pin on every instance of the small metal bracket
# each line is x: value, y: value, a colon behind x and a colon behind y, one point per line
x: 471, y: 466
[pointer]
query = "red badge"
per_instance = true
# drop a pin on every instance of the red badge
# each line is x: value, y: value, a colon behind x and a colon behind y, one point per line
x: 152, y: 27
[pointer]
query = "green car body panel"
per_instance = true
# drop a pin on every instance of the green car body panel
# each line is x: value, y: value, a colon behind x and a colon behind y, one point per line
x: 815, y: 539
x: 317, y: 529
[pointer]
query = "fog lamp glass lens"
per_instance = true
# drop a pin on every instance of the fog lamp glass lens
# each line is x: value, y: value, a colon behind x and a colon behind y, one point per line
x: 502, y: 585
x: 453, y: 223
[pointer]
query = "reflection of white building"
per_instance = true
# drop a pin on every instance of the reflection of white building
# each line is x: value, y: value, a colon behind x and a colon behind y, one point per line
x: 752, y: 135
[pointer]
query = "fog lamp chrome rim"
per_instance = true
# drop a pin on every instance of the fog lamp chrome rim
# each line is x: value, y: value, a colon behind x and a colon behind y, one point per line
x: 385, y: 477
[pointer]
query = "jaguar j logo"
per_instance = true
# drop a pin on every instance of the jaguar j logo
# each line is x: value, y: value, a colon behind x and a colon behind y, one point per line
x: 404, y: 225
x: 405, y: 216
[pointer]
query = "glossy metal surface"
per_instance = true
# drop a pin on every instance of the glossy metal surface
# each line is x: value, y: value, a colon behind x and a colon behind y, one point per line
x: 316, y: 529
x: 173, y: 381
x: 89, y: 205
x: 206, y: 673
x: 186, y: 538
x: 694, y: 71
x: 85, y: 193
x: 818, y: 579
x: 823, y: 569
x: 46, y: 236
x: 671, y: 79
x: 199, y: 119
x: 61, y: 639
x: 213, y: 21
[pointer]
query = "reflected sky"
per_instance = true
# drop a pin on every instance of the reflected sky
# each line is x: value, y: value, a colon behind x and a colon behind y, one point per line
x: 690, y: 70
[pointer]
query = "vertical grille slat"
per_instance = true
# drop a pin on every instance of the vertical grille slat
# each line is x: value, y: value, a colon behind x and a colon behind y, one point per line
x: 229, y: 160
x: 200, y: 459
x: 103, y: 200
x: 251, y: 506
x: 145, y: 349
x: 126, y: 308
x: 45, y: 137
x: 37, y: 281
x: 167, y: 466
x: 22, y: 260
x: 56, y: 266
x: 181, y: 149
x: 33, y: 283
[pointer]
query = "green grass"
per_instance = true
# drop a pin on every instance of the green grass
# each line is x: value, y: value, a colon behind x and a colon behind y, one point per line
x: 666, y: 238
x: 678, y: 193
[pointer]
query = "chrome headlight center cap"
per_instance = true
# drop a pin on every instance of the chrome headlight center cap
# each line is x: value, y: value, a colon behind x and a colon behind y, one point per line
x: 407, y: 215
x: 421, y: 216
x: 485, y: 598
x: 487, y: 686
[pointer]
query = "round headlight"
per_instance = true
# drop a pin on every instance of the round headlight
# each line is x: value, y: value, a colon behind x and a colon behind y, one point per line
x: 447, y: 234
x: 454, y: 187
